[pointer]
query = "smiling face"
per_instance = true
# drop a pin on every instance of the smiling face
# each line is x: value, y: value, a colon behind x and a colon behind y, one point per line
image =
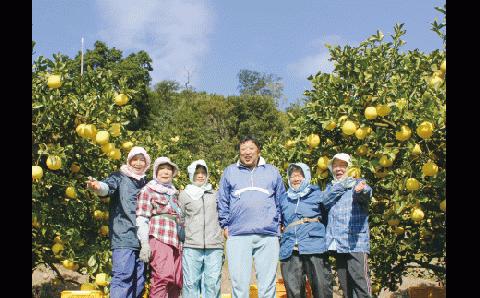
x: 165, y: 173
x: 296, y: 178
x: 138, y: 162
x: 249, y: 154
x: 200, y: 175
x: 339, y: 168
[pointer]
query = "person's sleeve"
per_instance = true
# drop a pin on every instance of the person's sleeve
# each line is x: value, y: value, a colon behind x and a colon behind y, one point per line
x: 144, y: 205
x: 279, y: 191
x: 142, y: 228
x: 109, y: 185
x: 363, y: 196
x: 223, y: 201
x: 332, y: 194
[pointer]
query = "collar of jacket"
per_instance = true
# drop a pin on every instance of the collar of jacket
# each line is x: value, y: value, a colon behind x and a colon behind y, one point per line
x: 261, y: 162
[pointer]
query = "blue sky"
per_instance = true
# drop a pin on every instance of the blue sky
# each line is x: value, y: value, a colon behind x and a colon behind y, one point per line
x: 213, y: 39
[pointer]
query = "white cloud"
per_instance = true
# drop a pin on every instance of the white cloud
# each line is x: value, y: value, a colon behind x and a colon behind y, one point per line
x: 311, y: 64
x: 173, y: 32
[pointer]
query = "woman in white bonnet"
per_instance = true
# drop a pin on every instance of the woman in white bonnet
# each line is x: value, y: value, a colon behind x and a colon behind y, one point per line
x: 202, y: 258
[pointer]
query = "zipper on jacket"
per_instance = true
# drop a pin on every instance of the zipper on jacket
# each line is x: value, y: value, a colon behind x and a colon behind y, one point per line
x: 204, y: 237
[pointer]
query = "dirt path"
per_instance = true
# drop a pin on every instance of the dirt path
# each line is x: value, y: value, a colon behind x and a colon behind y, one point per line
x: 43, y: 284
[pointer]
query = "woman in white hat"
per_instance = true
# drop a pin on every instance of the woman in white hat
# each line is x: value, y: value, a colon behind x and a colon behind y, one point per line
x: 158, y: 215
x: 202, y: 257
x: 347, y: 236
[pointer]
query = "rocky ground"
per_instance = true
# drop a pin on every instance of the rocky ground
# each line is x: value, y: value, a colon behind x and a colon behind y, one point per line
x: 44, y: 284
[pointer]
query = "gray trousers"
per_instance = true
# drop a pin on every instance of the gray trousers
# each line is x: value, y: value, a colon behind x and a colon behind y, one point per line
x: 316, y: 267
x: 352, y: 270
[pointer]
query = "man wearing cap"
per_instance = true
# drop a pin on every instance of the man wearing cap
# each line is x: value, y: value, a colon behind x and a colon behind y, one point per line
x: 347, y: 235
x: 249, y: 212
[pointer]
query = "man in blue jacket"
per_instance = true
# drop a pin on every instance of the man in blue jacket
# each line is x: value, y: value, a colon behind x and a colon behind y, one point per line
x: 348, y: 235
x: 249, y: 212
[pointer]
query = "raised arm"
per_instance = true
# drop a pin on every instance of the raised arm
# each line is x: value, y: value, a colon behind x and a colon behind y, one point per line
x: 332, y: 194
x: 362, y: 192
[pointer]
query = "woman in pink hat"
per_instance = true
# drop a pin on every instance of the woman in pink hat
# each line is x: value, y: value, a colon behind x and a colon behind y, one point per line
x: 158, y: 215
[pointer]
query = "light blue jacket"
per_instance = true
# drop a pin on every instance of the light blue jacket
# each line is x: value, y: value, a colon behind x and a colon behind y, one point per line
x: 348, y: 220
x: 248, y: 200
x: 310, y: 237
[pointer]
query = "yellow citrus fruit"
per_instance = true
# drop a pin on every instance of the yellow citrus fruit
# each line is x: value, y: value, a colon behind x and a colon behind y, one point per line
x: 75, y: 167
x: 362, y: 150
x: 383, y: 110
x: 331, y: 125
x: 81, y: 130
x: 323, y: 174
x: 393, y: 222
x: 430, y: 169
x: 127, y: 145
x: 175, y: 139
x: 98, y: 214
x: 425, y: 130
x: 57, y: 248
x: 443, y: 205
x: 289, y: 144
x: 121, y: 99
x: 115, y: 129
x: 385, y: 161
x: 106, y: 214
x: 54, y: 81
x: 115, y: 154
x: 37, y: 172
x: 435, y: 82
x: 416, y: 150
x: 70, y: 192
x: 103, y: 231
x: 35, y: 222
x: 313, y: 140
x: 102, y: 137
x: 412, y: 184
x: 370, y: 113
x: 88, y: 287
x: 443, y: 66
x: 54, y: 162
x: 57, y: 239
x: 375, y: 288
x: 361, y: 133
x: 404, y: 134
x: 106, y: 148
x: 349, y: 127
x: 68, y: 264
x: 354, y: 172
x: 417, y: 215
x: 101, y: 279
x: 399, y: 230
x: 322, y: 163
x: 90, y: 131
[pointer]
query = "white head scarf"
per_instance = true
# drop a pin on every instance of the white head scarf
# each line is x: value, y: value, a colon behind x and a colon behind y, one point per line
x: 156, y: 185
x: 341, y: 156
x: 194, y: 190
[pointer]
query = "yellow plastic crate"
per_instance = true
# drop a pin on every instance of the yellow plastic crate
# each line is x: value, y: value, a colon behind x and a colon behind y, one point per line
x: 82, y: 294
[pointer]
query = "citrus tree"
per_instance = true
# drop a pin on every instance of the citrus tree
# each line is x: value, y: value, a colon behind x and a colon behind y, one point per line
x: 77, y: 131
x: 387, y: 109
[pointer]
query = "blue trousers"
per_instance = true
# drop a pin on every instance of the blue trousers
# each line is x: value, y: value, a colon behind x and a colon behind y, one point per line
x: 127, y: 274
x: 202, y: 269
x: 264, y: 250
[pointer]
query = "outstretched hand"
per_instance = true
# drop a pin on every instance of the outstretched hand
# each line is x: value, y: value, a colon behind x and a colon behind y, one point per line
x: 360, y: 186
x: 92, y: 183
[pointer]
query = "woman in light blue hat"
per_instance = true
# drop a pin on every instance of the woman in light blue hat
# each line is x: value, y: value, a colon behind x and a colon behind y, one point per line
x: 203, y: 247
